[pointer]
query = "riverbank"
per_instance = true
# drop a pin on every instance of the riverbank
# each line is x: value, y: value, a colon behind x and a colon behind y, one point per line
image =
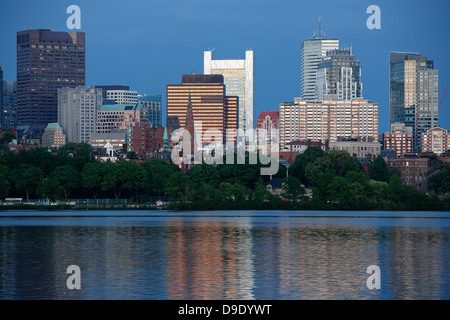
x: 214, y: 205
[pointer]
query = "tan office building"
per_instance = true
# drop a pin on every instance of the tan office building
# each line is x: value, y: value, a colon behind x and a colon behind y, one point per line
x: 329, y: 119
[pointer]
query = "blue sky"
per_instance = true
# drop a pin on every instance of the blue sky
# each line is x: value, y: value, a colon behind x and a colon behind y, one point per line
x: 149, y: 44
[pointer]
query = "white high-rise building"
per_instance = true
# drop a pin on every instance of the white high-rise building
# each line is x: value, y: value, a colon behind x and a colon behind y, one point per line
x: 238, y: 79
x: 312, y: 52
x: 77, y: 112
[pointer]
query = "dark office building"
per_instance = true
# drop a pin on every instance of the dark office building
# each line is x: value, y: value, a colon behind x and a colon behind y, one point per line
x: 9, y: 99
x: 46, y: 60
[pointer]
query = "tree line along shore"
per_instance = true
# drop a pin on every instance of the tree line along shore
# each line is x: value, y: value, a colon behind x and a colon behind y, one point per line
x: 316, y: 180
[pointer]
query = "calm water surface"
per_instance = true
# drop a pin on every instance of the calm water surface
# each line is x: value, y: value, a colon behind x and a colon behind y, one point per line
x: 224, y: 254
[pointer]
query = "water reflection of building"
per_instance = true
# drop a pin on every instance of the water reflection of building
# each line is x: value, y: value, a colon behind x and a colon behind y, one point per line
x: 209, y: 260
x: 414, y: 261
x: 326, y: 262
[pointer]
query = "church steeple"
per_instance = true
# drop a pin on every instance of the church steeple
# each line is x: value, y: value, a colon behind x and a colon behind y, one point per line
x: 189, y: 116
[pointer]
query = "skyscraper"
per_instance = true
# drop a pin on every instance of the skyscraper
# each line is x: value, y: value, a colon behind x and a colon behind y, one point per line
x: 77, y: 112
x: 46, y: 60
x: 413, y: 93
x: 238, y: 78
x: 312, y: 52
x: 9, y: 99
x: 210, y: 105
x: 339, y: 73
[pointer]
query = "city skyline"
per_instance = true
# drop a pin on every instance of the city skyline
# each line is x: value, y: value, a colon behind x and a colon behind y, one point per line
x: 149, y: 48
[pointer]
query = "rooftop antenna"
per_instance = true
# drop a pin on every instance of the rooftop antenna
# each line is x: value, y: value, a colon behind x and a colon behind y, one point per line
x: 320, y: 27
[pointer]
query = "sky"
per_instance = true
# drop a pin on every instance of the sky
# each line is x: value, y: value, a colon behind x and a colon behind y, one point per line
x: 149, y: 44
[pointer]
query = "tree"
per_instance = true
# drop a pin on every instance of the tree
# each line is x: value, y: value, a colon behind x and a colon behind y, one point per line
x: 207, y: 191
x: 293, y: 189
x: 380, y: 190
x: 204, y: 173
x: 179, y: 186
x: 314, y: 169
x: 395, y: 188
x: 123, y: 176
x: 67, y: 177
x: 132, y: 178
x: 76, y: 154
x: 92, y: 177
x: 261, y: 193
x: 235, y: 191
x: 37, y: 157
x: 346, y: 193
x: 4, y: 183
x: 379, y: 170
x: 439, y: 180
x: 298, y: 167
x: 158, y: 173
x: 48, y: 188
x: 26, y: 178
x: 6, y: 138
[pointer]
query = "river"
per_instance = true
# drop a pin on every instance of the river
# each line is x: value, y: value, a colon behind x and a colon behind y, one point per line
x: 261, y: 255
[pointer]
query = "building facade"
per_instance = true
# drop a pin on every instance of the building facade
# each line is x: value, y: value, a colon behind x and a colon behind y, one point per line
x: 118, y: 140
x: 399, y: 139
x: 413, y: 170
x: 106, y: 88
x: 122, y: 96
x: 119, y: 117
x: 53, y: 136
x: 46, y: 61
x: 154, y: 107
x: 358, y: 148
x: 77, y: 112
x: 238, y: 78
x: 413, y: 97
x: 339, y: 73
x: 8, y: 102
x: 210, y: 105
x: 267, y: 121
x: 145, y: 139
x: 436, y: 140
x: 328, y: 120
x: 313, y: 50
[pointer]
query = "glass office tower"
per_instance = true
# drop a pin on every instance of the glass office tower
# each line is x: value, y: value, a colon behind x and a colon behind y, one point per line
x: 153, y: 103
x: 339, y: 73
x: 413, y: 93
